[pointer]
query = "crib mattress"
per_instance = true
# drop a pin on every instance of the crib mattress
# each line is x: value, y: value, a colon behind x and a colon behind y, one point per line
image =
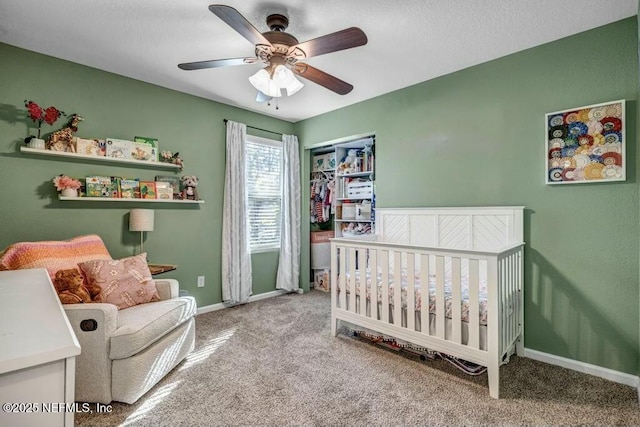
x: 464, y: 293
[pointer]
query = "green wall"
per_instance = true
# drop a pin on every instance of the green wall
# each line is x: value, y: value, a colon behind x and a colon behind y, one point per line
x: 476, y: 138
x: 119, y: 107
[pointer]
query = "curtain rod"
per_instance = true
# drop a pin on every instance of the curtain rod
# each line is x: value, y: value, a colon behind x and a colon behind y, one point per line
x: 253, y: 127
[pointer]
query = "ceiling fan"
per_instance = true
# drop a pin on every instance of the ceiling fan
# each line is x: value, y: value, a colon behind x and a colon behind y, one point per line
x: 282, y: 53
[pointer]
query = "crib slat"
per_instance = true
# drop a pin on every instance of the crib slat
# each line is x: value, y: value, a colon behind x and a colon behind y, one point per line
x: 343, y: 275
x: 352, y: 280
x: 373, y: 286
x: 397, y: 288
x: 503, y: 266
x: 474, y: 304
x: 440, y: 307
x: 511, y: 301
x: 362, y: 269
x: 411, y: 292
x: 424, y: 294
x: 456, y: 303
x: 384, y: 267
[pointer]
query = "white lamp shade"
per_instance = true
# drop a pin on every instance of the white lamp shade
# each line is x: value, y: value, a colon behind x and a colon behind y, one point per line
x: 261, y: 97
x: 262, y: 81
x: 294, y: 86
x: 282, y: 76
x: 285, y: 79
x: 141, y: 219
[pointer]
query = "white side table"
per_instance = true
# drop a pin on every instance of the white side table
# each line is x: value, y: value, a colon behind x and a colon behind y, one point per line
x: 37, y: 352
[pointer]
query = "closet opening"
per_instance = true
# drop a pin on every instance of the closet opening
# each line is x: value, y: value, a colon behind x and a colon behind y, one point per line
x: 341, y: 200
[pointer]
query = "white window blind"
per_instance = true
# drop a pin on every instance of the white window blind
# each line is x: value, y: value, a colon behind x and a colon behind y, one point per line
x: 264, y: 189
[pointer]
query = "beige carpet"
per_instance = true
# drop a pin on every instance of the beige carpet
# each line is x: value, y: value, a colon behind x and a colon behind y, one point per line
x: 273, y: 362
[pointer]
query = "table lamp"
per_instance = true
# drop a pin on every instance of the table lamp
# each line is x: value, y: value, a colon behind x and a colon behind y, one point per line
x: 141, y: 220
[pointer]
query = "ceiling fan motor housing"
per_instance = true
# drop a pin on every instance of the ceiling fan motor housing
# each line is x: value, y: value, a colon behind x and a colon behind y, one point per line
x: 277, y: 22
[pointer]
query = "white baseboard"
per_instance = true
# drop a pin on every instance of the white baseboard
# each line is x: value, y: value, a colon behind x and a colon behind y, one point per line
x: 575, y: 365
x: 252, y: 298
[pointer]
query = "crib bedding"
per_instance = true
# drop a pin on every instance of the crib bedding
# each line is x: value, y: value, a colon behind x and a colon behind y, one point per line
x: 464, y: 293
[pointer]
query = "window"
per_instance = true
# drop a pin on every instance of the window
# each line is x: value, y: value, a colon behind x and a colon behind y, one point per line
x: 263, y: 169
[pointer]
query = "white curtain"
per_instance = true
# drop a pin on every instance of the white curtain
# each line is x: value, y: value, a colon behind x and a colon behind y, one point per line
x: 236, y: 256
x: 288, y: 277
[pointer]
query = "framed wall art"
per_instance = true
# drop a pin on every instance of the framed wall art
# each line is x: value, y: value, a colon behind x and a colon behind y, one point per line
x: 586, y: 144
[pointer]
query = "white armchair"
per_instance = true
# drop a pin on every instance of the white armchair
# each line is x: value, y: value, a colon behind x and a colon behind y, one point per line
x: 126, y: 352
x: 123, y: 352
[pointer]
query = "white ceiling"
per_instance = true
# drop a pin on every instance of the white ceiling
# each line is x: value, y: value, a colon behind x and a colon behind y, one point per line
x: 410, y: 41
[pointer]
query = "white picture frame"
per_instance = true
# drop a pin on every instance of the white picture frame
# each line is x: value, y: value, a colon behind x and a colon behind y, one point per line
x: 586, y: 144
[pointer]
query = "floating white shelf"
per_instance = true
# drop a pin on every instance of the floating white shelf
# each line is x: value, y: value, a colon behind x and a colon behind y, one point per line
x: 159, y: 165
x: 112, y: 199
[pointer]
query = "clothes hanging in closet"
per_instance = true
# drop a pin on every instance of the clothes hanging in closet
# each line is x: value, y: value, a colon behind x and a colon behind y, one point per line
x: 321, y: 199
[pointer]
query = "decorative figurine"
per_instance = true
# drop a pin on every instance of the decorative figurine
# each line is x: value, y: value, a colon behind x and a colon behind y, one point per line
x: 62, y: 140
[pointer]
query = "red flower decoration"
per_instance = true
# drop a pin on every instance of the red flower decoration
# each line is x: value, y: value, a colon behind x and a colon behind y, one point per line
x: 51, y: 114
x: 37, y: 114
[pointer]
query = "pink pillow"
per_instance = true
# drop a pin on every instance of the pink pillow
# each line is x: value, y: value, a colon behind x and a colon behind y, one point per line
x: 124, y: 282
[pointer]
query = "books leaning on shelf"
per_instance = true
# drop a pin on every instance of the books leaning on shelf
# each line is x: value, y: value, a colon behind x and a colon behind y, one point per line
x: 90, y: 147
x: 101, y: 186
x: 130, y: 188
x: 164, y: 190
x: 148, y: 190
x: 175, y: 184
x: 145, y: 149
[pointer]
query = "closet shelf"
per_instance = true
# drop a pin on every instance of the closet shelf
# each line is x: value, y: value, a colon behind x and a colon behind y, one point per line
x: 355, y: 174
x: 353, y: 220
x: 353, y: 198
x: 113, y: 199
x: 50, y: 153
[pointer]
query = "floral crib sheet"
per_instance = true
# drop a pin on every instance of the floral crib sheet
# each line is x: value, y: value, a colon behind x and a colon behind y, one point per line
x: 464, y: 293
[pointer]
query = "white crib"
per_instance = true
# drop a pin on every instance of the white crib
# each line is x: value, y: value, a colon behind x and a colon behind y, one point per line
x: 458, y: 251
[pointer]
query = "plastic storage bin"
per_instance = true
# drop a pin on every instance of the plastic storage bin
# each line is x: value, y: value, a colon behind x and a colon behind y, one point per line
x: 321, y: 249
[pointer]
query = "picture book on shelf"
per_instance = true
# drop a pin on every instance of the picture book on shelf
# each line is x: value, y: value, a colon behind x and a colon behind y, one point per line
x: 174, y: 181
x: 90, y: 147
x: 130, y: 188
x: 99, y: 186
x: 148, y: 190
x: 119, y: 148
x: 164, y: 191
x: 115, y: 192
x: 145, y: 149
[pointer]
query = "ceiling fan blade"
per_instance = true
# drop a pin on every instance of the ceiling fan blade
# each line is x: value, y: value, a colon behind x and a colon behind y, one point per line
x: 216, y: 63
x: 235, y: 20
x: 323, y: 79
x: 340, y: 40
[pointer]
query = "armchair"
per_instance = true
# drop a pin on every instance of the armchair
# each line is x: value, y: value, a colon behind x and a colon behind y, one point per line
x: 124, y: 353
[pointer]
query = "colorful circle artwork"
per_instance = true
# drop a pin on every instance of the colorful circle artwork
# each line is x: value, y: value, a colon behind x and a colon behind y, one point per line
x: 586, y: 144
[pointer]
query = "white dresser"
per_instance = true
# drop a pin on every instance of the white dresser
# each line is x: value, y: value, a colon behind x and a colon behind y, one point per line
x: 37, y: 352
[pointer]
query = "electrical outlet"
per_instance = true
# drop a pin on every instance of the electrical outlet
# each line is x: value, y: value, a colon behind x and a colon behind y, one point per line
x: 201, y: 281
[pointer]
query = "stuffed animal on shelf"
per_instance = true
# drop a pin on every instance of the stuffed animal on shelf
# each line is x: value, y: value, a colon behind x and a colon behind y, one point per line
x: 348, y: 164
x: 72, y: 290
x: 62, y: 140
x: 189, y: 184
